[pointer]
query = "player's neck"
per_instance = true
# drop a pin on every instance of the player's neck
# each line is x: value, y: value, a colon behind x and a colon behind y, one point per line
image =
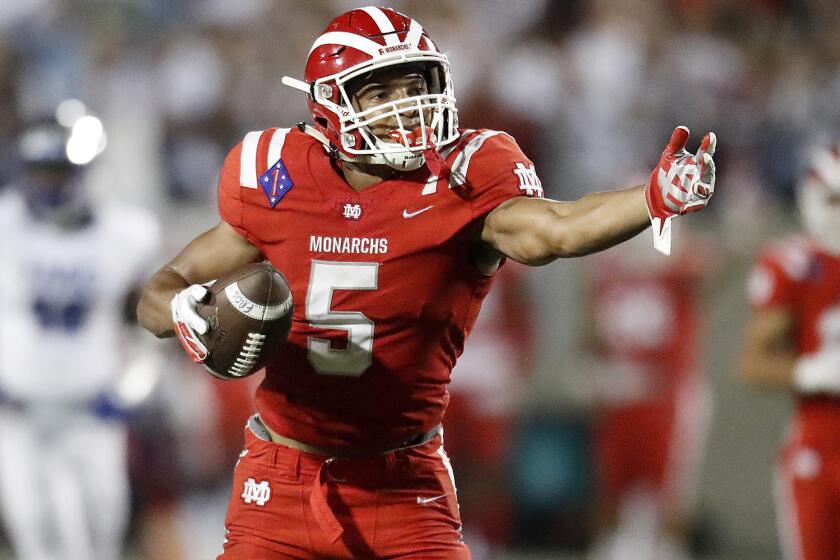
x: 361, y: 176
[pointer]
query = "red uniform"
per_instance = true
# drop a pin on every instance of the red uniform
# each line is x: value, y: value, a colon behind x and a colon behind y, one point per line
x: 487, y: 384
x: 799, y: 277
x: 385, y: 295
x: 651, y: 430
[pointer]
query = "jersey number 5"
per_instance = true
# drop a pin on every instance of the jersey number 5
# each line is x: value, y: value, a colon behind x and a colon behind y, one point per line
x: 325, y: 278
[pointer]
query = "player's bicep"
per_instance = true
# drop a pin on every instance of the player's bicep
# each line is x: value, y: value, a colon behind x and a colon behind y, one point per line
x: 214, y: 253
x: 527, y: 230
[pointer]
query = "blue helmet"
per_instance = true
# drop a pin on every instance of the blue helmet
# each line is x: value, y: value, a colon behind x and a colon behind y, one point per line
x: 53, y: 153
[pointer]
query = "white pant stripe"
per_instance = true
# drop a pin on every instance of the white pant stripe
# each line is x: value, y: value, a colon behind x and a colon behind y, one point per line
x: 446, y: 462
x: 787, y: 521
x: 688, y: 441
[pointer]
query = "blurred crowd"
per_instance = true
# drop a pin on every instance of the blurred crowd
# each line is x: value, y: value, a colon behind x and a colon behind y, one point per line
x: 178, y: 82
x: 589, y: 88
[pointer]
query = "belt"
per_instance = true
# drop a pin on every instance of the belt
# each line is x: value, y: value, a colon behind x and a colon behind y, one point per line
x: 321, y: 509
x: 257, y: 426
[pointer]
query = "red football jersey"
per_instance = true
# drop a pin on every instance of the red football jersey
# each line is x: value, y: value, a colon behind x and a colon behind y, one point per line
x: 646, y: 317
x: 384, y: 289
x: 797, y: 275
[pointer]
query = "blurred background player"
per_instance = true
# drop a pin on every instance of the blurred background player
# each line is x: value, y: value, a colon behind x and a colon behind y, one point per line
x: 69, y: 265
x: 793, y: 342
x: 653, y: 404
x: 485, y: 395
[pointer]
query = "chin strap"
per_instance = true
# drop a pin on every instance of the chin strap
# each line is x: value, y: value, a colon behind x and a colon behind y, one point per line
x: 331, y: 148
x: 319, y: 136
x: 434, y: 161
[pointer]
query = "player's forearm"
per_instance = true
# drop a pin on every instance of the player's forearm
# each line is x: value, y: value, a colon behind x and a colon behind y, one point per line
x: 767, y: 370
x: 538, y: 231
x: 600, y: 220
x: 153, y: 310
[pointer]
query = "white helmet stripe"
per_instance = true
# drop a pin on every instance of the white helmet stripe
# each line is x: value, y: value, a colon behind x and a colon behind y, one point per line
x: 384, y: 24
x: 347, y: 40
x: 248, y: 161
x: 415, y: 30
x: 275, y: 147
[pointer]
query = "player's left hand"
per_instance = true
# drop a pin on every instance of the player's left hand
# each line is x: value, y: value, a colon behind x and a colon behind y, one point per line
x: 680, y: 183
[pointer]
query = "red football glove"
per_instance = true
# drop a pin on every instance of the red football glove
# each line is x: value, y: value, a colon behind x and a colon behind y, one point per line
x: 188, y: 324
x: 680, y: 183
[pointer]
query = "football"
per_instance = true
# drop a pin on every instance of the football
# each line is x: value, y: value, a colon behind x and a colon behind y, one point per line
x: 250, y: 315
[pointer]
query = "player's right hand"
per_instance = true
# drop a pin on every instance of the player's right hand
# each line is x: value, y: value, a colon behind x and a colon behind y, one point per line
x: 680, y: 183
x: 818, y: 372
x: 188, y: 323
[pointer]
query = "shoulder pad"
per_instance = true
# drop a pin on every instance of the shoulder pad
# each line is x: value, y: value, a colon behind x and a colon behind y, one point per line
x: 461, y: 165
x: 469, y: 143
x: 260, y: 150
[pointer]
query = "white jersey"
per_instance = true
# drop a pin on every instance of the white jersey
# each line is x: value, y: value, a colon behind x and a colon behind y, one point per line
x: 62, y: 296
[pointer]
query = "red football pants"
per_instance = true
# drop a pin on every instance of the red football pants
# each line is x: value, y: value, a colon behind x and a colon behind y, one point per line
x: 657, y: 445
x: 808, y: 501
x: 287, y: 504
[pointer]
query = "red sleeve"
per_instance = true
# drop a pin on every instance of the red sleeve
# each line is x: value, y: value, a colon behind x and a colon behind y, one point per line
x: 499, y: 170
x: 230, y: 193
x: 230, y: 201
x: 769, y: 285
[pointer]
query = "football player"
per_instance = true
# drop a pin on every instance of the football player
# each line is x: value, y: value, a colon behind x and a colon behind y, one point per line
x: 389, y: 221
x: 653, y: 403
x: 792, y: 342
x: 69, y: 265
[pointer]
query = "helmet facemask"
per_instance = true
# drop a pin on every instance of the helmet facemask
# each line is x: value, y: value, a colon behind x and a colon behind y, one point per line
x: 417, y: 123
x: 349, y: 128
x: 354, y: 48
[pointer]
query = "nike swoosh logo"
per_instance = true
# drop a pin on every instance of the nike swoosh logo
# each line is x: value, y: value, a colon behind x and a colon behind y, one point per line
x: 407, y: 215
x: 424, y: 501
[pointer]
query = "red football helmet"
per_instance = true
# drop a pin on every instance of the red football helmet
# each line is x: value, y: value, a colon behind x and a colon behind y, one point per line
x: 819, y: 197
x: 362, y: 41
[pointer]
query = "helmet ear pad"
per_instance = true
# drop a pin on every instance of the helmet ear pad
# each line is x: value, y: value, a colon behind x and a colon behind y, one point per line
x: 325, y: 120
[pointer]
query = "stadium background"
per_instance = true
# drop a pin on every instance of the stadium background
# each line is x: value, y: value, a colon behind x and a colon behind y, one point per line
x: 590, y: 89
